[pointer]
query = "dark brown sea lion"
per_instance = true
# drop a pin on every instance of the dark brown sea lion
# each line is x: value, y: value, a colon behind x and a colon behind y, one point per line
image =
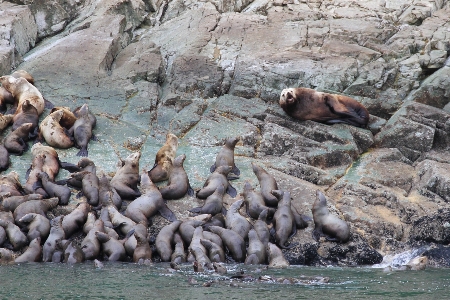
x: 164, y: 159
x: 37, y: 166
x: 72, y: 252
x: 11, y: 203
x: 225, y: 157
x: 34, y: 206
x: 164, y: 238
x: 215, y: 252
x: 4, y: 158
x: 89, y: 186
x: 16, y: 141
x: 33, y: 252
x: 75, y: 220
x: 22, y: 90
x: 147, y: 205
x: 283, y: 219
x: 84, y: 164
x: 236, y: 222
x: 28, y: 114
x: 10, y: 184
x: 178, y: 181
x: 16, y: 237
x: 233, y: 241
x: 267, y: 183
x: 260, y: 226
x: 107, y: 194
x: 276, y: 257
x: 53, y: 133
x: 217, y: 178
x: 90, y: 244
x: 326, y: 224
x: 67, y: 119
x: 92, y: 117
x: 256, y: 252
x: 301, y: 220
x: 39, y: 226
x: 178, y: 255
x: 5, y: 120
x: 213, y: 204
x: 82, y: 130
x: 142, y: 253
x: 254, y: 202
x: 126, y: 179
x: 62, y: 192
x: 308, y: 104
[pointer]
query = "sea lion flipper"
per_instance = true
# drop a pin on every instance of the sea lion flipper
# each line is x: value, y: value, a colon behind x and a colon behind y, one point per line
x: 231, y: 191
x: 48, y: 104
x: 69, y: 167
x: 212, y: 168
x: 338, y: 108
x: 83, y: 152
x: 236, y: 171
x: 190, y: 191
x: 167, y: 213
x: 316, y: 234
x: 61, y: 182
x: 196, y: 210
x: 27, y: 174
x: 332, y: 239
x: 37, y: 185
x: 231, y: 177
x: 94, y: 138
x: 79, y: 195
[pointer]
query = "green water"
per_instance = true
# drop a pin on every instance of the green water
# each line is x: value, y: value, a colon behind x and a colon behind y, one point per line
x: 131, y: 281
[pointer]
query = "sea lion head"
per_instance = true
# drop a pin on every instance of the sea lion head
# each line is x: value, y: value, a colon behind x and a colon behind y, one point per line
x: 287, y: 97
x: 84, y: 162
x: 24, y: 129
x: 57, y: 115
x: 248, y: 187
x: 179, y: 160
x: 320, y: 200
x: 8, y: 83
x: 84, y: 110
x: 231, y: 142
x: 24, y: 74
x: 172, y: 139
x: 133, y: 157
x: 28, y: 107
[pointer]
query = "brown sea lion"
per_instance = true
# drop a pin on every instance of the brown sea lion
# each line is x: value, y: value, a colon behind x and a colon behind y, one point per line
x: 214, y: 180
x: 23, y: 74
x: 39, y: 226
x: 107, y: 194
x: 233, y: 241
x: 52, y: 162
x: 178, y: 181
x: 187, y: 228
x: 76, y: 219
x: 147, y: 205
x: 5, y: 120
x: 236, y: 222
x: 53, y: 133
x: 196, y: 237
x: 164, y: 159
x: 28, y: 114
x: 33, y: 252
x: 5, y: 98
x: 276, y: 257
x: 178, y: 255
x: 119, y: 221
x: 67, y: 119
x: 4, y: 158
x: 90, y: 244
x: 126, y: 179
x: 164, y: 238
x: 34, y: 206
x: 84, y: 164
x: 201, y: 258
x: 92, y: 117
x: 283, y: 219
x: 256, y: 252
x: 6, y: 256
x: 216, y: 220
x: 89, y: 224
x: 22, y: 90
x: 213, y: 204
x: 225, y: 157
x: 16, y: 237
x: 89, y: 186
x: 72, y: 252
x: 131, y: 243
x: 142, y: 253
x: 326, y: 224
x: 254, y: 202
x: 215, y: 252
x: 267, y: 183
x: 11, y: 203
x: 308, y: 104
x: 260, y: 226
x: 16, y: 141
x: 82, y: 130
x: 10, y: 184
x: 37, y: 166
x: 301, y: 220
x: 111, y: 247
x: 52, y: 189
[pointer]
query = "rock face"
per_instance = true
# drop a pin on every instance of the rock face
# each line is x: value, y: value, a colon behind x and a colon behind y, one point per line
x: 208, y: 70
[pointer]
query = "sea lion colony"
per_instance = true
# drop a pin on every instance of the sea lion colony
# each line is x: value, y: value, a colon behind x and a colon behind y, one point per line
x: 112, y: 231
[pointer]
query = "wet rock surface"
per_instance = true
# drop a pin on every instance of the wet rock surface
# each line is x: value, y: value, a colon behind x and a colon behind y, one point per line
x: 209, y: 70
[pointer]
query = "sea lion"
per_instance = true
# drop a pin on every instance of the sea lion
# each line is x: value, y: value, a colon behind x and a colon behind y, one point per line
x: 10, y: 184
x: 54, y: 134
x: 62, y: 192
x: 7, y: 216
x: 196, y: 237
x: 217, y: 178
x: 34, y: 206
x: 90, y: 244
x: 254, y: 202
x: 89, y: 224
x: 75, y: 220
x: 146, y: 206
x: 23, y: 74
x: 92, y: 117
x: 417, y: 263
x: 67, y: 119
x: 218, y: 268
x: 308, y: 104
x: 326, y: 224
x: 283, y: 219
x: 213, y: 204
x: 6, y: 256
x: 236, y: 222
x: 72, y: 252
x: 225, y: 157
x: 84, y: 164
x: 39, y: 226
x: 112, y: 247
x: 256, y: 252
x: 267, y: 183
x: 178, y: 255
x: 89, y: 186
x: 33, y: 252
x: 28, y: 114
x: 52, y: 162
x: 201, y: 258
x: 233, y: 241
x: 11, y: 203
x: 215, y: 252
x: 32, y: 186
x: 142, y: 253
x: 82, y: 130
x: 164, y: 238
x: 5, y: 120
x: 131, y: 243
x: 16, y: 141
x: 119, y: 221
x: 164, y: 159
x: 127, y: 177
x: 16, y: 237
x: 301, y: 220
x: 276, y: 257
x: 187, y: 228
x: 178, y: 181
x: 2, y: 235
x: 4, y: 158
x: 107, y: 194
x: 5, y: 98
x: 260, y: 226
x: 22, y: 90
x: 216, y: 220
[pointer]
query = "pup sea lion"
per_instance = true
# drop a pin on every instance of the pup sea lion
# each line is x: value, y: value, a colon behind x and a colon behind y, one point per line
x: 82, y: 130
x: 84, y: 164
x: 163, y: 241
x: 75, y: 220
x: 301, y: 220
x: 256, y: 252
x: 233, y: 241
x: 68, y: 118
x: 215, y: 252
x: 326, y: 224
x: 308, y: 104
x: 11, y: 203
x: 90, y: 244
x: 236, y: 222
x: 131, y: 243
x: 28, y: 114
x: 39, y: 226
x: 16, y: 141
x: 213, y: 204
x: 254, y: 202
x: 164, y: 159
x: 52, y: 163
x: 127, y: 177
x: 148, y: 204
x: 276, y: 257
x: 5, y: 120
x: 92, y: 117
x: 4, y: 158
x: 33, y: 252
x: 53, y: 133
x: 217, y: 178
x: 142, y: 253
x: 16, y: 237
x: 119, y: 221
x: 10, y: 184
x: 5, y: 98
x: 22, y: 90
x: 178, y: 255
x: 178, y: 181
x: 107, y: 194
x: 225, y: 157
x: 267, y: 183
x: 62, y: 192
x: 89, y: 186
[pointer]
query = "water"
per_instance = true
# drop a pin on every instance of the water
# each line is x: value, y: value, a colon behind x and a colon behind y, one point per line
x: 131, y: 281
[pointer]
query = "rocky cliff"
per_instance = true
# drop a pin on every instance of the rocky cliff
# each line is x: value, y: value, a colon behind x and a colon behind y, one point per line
x: 207, y: 70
